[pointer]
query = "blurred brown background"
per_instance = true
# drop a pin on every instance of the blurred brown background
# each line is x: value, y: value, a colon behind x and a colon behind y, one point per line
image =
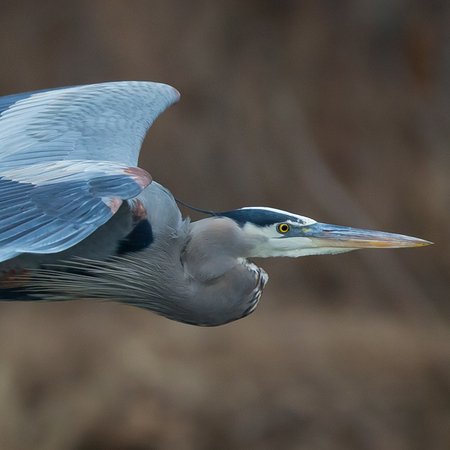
x: 338, y: 110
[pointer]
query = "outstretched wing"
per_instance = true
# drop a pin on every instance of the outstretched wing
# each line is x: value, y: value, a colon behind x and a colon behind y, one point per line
x: 102, y: 122
x: 68, y: 158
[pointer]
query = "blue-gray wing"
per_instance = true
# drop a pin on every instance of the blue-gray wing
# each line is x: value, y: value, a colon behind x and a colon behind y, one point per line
x: 49, y: 207
x: 103, y: 122
x: 68, y: 158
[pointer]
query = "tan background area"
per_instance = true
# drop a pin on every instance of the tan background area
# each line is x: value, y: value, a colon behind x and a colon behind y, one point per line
x: 337, y: 110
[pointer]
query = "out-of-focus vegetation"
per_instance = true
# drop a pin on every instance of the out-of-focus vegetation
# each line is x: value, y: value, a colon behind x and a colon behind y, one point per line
x: 335, y: 110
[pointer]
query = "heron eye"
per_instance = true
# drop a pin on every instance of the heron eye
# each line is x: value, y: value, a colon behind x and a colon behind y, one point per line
x: 283, y: 228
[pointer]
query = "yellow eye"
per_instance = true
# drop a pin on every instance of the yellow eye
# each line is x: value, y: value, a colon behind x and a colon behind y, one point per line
x: 283, y: 228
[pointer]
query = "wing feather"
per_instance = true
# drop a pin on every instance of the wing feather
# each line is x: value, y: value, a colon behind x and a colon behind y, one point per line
x: 103, y: 122
x: 47, y: 208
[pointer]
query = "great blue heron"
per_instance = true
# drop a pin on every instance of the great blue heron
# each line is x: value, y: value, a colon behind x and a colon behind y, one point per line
x: 79, y: 219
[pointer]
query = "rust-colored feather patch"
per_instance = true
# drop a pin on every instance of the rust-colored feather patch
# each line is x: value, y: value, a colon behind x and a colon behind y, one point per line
x: 138, y: 210
x: 113, y: 203
x: 140, y: 176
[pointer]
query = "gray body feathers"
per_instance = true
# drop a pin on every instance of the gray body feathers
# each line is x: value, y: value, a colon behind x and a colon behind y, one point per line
x: 183, y: 275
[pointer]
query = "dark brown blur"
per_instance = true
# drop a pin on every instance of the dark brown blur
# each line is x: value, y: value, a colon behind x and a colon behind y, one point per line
x: 337, y: 110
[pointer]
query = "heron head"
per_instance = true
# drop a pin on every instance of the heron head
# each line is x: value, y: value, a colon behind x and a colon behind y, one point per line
x: 272, y: 232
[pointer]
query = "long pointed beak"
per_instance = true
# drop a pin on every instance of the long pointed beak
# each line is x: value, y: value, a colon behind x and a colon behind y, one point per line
x: 334, y: 236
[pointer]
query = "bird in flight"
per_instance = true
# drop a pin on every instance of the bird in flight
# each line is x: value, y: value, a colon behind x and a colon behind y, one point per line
x: 80, y: 220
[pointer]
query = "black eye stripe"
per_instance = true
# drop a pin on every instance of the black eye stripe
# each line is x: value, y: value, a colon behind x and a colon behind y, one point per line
x: 260, y: 216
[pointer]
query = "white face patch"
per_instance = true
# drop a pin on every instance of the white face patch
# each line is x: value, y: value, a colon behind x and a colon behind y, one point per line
x: 266, y: 241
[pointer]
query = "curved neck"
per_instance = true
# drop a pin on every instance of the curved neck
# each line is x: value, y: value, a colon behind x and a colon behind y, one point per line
x: 216, y: 245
